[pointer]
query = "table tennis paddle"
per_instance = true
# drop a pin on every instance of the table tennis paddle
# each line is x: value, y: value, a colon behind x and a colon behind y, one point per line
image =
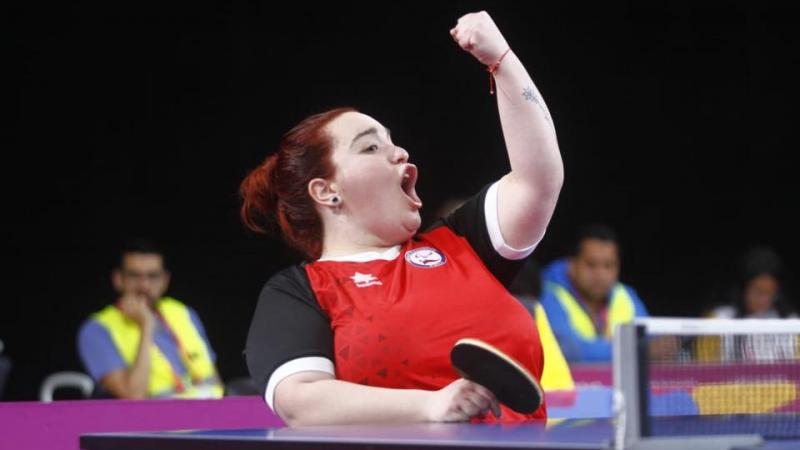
x: 508, y: 380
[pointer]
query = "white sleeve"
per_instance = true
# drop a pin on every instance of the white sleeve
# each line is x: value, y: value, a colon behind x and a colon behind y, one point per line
x: 493, y: 226
x: 305, y: 364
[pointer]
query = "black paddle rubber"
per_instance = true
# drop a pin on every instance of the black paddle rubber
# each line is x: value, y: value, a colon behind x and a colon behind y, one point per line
x: 509, y: 381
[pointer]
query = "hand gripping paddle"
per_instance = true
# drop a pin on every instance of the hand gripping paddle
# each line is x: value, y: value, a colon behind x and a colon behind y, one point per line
x: 508, y: 380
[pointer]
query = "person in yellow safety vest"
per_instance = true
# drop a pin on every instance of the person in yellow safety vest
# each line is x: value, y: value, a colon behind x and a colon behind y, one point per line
x: 146, y: 344
x: 584, y: 299
x: 556, y: 375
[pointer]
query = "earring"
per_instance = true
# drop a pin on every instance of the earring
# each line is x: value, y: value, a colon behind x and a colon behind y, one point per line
x: 335, y: 199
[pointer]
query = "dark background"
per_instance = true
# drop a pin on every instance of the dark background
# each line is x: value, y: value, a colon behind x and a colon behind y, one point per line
x: 676, y: 124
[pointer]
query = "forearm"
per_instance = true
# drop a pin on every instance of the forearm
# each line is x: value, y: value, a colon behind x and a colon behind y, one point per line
x: 138, y: 375
x: 528, y: 129
x: 528, y: 194
x: 330, y: 401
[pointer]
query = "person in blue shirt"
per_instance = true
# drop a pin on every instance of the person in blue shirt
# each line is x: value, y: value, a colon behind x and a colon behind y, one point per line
x: 584, y: 299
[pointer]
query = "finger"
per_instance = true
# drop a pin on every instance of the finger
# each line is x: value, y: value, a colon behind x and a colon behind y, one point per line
x: 495, y: 407
x: 494, y: 404
x: 463, y: 42
x: 482, y: 391
x: 483, y: 404
x: 476, y: 402
x: 468, y: 407
x: 466, y: 38
x: 455, y: 413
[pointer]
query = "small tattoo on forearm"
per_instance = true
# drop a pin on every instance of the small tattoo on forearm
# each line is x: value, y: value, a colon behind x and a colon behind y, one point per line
x: 530, y: 95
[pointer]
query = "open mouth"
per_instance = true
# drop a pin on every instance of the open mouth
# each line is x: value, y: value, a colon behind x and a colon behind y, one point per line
x: 408, y: 184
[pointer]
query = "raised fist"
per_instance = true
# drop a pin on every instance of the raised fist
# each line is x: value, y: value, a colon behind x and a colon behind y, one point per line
x: 478, y: 34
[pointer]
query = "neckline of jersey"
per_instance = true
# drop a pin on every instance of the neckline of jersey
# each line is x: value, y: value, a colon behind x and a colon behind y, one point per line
x: 387, y: 255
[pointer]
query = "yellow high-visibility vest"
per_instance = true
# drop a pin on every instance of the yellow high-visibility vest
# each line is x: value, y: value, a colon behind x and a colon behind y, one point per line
x: 555, y: 374
x: 621, y: 310
x: 200, y: 380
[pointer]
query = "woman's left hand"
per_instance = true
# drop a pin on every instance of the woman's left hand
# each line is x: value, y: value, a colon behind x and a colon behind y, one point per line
x: 478, y: 34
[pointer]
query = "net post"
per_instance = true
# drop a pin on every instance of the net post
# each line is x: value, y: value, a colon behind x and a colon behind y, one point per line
x: 627, y: 404
x: 643, y: 379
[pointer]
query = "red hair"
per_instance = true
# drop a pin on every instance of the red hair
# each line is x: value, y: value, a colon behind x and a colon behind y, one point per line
x: 278, y: 188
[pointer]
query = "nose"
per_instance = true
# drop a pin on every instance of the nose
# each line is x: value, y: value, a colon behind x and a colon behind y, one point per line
x: 142, y: 284
x: 399, y: 155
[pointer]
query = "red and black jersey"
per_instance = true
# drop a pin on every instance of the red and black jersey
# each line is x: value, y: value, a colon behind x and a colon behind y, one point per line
x: 390, y: 321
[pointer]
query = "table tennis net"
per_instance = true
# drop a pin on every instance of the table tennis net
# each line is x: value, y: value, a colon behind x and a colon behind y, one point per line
x: 722, y: 382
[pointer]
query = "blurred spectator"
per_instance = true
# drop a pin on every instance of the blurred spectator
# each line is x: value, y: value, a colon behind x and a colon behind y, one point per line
x: 584, y: 298
x: 758, y: 291
x: 147, y: 344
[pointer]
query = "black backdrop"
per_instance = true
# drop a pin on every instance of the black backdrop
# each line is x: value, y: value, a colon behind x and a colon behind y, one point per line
x: 676, y: 124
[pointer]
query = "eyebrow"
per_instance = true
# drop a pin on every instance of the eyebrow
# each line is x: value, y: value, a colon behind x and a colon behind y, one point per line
x: 369, y: 131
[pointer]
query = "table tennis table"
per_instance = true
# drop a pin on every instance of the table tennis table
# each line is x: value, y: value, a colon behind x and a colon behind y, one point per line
x: 556, y: 434
x: 563, y: 434
x: 581, y: 423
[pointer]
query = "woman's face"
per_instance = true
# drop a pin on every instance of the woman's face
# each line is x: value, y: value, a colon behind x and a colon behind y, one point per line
x: 759, y: 294
x: 375, y: 182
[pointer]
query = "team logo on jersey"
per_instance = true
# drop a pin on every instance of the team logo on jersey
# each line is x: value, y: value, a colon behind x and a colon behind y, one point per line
x: 426, y: 257
x: 365, y: 279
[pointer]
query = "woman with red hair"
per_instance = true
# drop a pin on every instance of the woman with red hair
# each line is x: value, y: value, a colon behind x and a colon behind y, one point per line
x: 361, y: 333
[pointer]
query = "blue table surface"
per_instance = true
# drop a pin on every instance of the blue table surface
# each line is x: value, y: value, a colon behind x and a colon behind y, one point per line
x: 568, y: 433
x: 555, y: 434
x: 592, y: 402
x: 582, y: 424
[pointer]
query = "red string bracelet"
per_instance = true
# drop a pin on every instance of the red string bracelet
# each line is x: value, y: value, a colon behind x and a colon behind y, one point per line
x: 492, y: 68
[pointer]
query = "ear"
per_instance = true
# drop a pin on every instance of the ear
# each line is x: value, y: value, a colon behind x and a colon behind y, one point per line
x: 324, y: 192
x: 116, y: 279
x: 571, y: 266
